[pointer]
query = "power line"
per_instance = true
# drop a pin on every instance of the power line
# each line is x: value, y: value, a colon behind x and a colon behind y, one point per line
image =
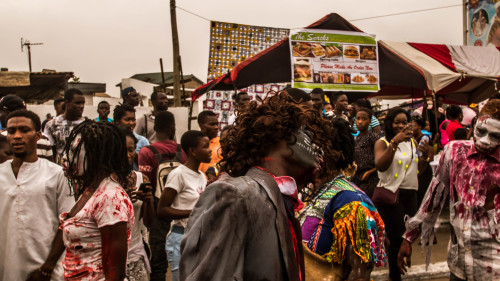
x: 182, y: 9
x: 408, y: 12
x: 367, y: 18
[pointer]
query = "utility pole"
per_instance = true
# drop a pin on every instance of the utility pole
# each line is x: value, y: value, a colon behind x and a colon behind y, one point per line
x: 28, y: 44
x: 175, y: 47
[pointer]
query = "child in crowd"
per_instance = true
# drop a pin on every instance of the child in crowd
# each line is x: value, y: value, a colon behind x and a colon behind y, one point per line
x: 182, y: 190
x: 103, y: 110
x: 366, y: 177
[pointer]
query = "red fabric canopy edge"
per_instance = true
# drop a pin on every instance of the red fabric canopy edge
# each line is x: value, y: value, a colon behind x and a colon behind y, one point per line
x: 439, y: 52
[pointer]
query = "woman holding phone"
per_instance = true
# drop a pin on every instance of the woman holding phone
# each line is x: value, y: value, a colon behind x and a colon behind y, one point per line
x: 397, y: 164
x: 138, y: 268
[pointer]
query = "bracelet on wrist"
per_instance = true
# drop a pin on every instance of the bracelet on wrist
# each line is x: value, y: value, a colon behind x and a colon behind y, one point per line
x: 395, y: 145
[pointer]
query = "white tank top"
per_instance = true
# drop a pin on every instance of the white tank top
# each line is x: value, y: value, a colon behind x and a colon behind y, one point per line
x: 403, y: 170
x: 136, y: 236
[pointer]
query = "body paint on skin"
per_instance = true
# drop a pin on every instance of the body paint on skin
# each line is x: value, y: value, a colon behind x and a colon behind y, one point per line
x: 306, y: 152
x: 486, y: 134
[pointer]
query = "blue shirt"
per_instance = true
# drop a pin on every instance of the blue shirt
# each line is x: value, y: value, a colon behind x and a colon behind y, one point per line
x: 141, y: 142
x: 99, y: 120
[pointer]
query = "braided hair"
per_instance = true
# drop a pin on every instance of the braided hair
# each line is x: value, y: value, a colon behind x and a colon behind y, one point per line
x: 106, y: 154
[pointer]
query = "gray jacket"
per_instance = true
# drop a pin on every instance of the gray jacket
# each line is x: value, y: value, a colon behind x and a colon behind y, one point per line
x: 239, y: 230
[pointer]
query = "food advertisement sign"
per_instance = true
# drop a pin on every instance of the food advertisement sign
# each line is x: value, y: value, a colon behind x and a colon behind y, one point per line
x: 334, y: 60
x: 484, y: 22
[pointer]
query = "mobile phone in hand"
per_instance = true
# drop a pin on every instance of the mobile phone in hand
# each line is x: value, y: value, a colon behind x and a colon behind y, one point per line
x: 143, y: 186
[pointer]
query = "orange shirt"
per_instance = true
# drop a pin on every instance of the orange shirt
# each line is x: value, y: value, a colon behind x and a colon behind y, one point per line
x: 216, y: 157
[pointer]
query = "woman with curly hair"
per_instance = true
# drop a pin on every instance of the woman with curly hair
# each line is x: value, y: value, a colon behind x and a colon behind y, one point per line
x: 243, y: 226
x: 343, y: 233
x: 96, y: 232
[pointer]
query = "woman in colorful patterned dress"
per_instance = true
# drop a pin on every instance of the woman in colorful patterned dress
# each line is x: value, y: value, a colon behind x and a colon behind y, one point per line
x: 341, y: 225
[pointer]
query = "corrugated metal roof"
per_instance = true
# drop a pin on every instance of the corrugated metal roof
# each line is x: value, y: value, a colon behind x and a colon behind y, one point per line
x: 155, y: 78
x: 43, y: 87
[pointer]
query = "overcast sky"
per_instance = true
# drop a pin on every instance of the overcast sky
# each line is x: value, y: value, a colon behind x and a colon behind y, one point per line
x: 106, y: 40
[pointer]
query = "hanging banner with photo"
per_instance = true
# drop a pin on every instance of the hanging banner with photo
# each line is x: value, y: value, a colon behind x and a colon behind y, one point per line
x: 484, y: 22
x: 334, y: 60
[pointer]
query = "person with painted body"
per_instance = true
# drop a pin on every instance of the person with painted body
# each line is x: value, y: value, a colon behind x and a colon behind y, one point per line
x: 245, y: 220
x: 182, y: 190
x: 343, y: 233
x: 96, y: 232
x: 397, y: 164
x: 468, y: 176
x: 34, y: 193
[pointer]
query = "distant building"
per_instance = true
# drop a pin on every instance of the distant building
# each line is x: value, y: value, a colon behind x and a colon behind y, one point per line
x: 34, y: 87
x: 146, y: 83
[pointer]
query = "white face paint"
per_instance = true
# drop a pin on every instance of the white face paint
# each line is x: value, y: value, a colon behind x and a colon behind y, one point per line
x: 79, y: 164
x: 487, y: 134
x: 306, y: 152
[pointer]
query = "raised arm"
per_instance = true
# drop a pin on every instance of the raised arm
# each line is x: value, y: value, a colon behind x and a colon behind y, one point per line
x: 384, y: 154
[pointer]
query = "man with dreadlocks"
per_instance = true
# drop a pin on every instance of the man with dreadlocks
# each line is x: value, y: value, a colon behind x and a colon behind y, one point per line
x: 34, y: 193
x: 243, y: 226
x: 96, y: 232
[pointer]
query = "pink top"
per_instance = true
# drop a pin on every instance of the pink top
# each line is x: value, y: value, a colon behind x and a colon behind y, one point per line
x: 452, y: 127
x: 108, y: 205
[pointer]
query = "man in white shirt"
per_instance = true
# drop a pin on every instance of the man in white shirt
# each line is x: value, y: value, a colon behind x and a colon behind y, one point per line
x: 34, y: 193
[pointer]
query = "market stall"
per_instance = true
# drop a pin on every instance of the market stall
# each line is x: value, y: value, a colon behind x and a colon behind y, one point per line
x: 461, y: 74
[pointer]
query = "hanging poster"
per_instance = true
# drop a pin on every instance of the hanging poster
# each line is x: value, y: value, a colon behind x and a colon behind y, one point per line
x: 230, y: 44
x: 484, y: 22
x: 334, y: 60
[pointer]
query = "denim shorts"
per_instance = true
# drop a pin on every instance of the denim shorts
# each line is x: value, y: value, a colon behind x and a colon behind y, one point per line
x: 173, y: 249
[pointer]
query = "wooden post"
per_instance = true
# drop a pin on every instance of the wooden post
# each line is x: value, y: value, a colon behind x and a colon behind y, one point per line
x: 163, y: 76
x: 175, y: 47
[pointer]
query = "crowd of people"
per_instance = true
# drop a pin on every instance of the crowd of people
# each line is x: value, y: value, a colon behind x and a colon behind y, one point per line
x: 294, y: 188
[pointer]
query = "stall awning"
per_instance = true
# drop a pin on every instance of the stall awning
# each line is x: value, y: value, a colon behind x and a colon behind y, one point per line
x: 461, y: 74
